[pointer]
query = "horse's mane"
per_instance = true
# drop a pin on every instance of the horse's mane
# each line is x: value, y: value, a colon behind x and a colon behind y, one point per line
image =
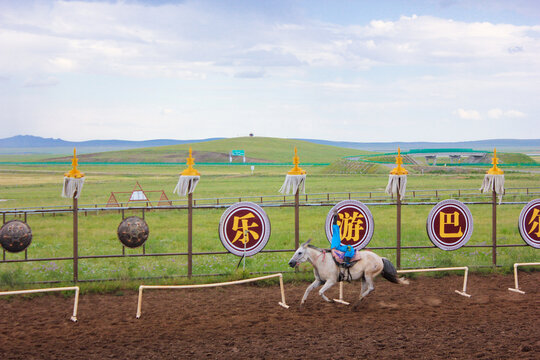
x: 316, y: 248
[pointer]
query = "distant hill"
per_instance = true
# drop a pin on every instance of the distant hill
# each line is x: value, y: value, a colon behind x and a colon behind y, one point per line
x: 501, y: 144
x: 21, y: 144
x: 27, y: 144
x: 257, y: 150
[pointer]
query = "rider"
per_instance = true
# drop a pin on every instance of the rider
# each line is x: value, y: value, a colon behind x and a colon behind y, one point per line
x: 336, y: 243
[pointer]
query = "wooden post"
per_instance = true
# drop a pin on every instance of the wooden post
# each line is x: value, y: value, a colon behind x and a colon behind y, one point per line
x: 297, y: 219
x: 398, y: 228
x: 75, y: 239
x: 494, y: 228
x: 190, y: 234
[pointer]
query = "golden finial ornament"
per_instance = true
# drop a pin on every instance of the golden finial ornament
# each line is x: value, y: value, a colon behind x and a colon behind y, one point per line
x: 296, y: 170
x: 74, y: 173
x: 495, y: 170
x: 399, y: 170
x: 190, y: 171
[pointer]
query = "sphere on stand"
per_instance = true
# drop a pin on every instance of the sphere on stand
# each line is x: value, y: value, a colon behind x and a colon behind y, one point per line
x: 15, y: 236
x: 133, y: 231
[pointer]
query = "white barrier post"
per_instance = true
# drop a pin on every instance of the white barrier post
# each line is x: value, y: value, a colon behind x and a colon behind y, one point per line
x: 75, y: 304
x: 463, y: 292
x: 516, y: 289
x: 466, y: 275
x: 282, y: 302
x: 340, y: 300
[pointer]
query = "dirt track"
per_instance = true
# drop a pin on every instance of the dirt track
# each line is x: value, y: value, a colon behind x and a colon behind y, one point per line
x: 425, y: 320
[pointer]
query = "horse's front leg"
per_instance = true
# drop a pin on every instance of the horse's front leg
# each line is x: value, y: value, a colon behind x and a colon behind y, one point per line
x: 313, y: 285
x: 327, y: 285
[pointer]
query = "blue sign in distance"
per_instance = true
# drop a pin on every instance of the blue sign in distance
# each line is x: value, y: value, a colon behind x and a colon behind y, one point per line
x: 237, y: 152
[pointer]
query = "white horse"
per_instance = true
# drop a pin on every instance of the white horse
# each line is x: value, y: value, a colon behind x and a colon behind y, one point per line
x: 327, y: 272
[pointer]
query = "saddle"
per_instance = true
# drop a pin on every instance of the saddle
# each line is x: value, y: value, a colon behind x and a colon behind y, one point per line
x: 344, y: 269
x: 339, y: 255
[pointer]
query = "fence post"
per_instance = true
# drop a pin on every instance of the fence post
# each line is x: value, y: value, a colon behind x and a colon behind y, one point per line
x: 398, y: 228
x: 494, y: 228
x: 190, y: 233
x: 297, y: 219
x: 75, y: 239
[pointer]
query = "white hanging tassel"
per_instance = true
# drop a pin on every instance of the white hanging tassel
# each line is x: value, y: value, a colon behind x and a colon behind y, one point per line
x: 397, y: 183
x: 493, y: 182
x: 294, y: 183
x: 72, y: 187
x: 186, y: 185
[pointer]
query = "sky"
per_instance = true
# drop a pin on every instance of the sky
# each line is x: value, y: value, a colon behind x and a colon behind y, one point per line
x: 343, y: 70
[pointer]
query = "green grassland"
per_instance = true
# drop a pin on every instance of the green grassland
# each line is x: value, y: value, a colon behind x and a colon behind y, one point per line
x: 24, y: 186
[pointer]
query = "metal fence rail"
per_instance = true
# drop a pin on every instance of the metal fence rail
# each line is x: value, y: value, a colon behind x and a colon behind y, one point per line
x: 374, y: 198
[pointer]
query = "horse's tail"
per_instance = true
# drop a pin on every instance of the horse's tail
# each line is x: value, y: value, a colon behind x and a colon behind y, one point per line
x: 389, y: 273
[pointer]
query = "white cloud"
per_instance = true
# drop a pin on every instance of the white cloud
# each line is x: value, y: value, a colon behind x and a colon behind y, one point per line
x: 122, y: 62
x: 495, y: 113
x: 514, y: 114
x: 498, y: 113
x: 125, y: 38
x: 468, y: 114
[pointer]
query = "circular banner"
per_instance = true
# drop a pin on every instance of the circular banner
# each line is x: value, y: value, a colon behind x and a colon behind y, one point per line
x: 355, y: 223
x: 133, y: 231
x: 529, y: 223
x: 15, y: 236
x: 449, y: 224
x: 244, y: 228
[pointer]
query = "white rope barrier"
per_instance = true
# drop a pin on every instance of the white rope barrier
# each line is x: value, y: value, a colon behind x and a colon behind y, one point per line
x: 516, y: 289
x: 75, y: 288
x: 463, y: 292
x: 282, y: 302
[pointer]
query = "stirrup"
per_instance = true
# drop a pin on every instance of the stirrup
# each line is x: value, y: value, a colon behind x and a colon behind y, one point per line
x: 345, y: 275
x: 347, y: 262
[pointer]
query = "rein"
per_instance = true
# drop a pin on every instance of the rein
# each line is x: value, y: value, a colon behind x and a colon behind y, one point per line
x: 323, y: 254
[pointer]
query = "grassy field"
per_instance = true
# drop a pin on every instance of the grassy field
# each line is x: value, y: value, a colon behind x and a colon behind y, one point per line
x: 24, y: 186
x: 97, y: 235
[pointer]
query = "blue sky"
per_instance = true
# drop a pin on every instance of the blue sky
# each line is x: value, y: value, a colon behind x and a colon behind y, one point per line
x: 338, y: 70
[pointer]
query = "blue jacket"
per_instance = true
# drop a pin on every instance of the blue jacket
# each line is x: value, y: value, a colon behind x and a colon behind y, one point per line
x: 336, y: 243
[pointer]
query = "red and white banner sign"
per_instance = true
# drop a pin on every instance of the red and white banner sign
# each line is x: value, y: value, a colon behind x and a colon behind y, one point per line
x: 355, y: 223
x: 449, y: 225
x: 244, y: 229
x: 529, y: 223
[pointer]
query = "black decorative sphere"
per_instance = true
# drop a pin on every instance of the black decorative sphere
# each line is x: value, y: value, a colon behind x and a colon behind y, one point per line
x: 15, y: 236
x: 133, y: 231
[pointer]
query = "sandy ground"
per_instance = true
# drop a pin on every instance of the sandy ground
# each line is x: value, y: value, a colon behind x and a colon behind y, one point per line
x: 424, y: 320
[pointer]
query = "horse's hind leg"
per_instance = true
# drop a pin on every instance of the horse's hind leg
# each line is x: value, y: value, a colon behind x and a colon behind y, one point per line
x: 313, y: 285
x: 364, y: 286
x: 370, y: 287
x: 326, y: 286
x: 362, y: 290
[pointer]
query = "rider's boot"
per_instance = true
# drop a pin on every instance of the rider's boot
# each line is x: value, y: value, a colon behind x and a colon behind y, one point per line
x: 347, y: 261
